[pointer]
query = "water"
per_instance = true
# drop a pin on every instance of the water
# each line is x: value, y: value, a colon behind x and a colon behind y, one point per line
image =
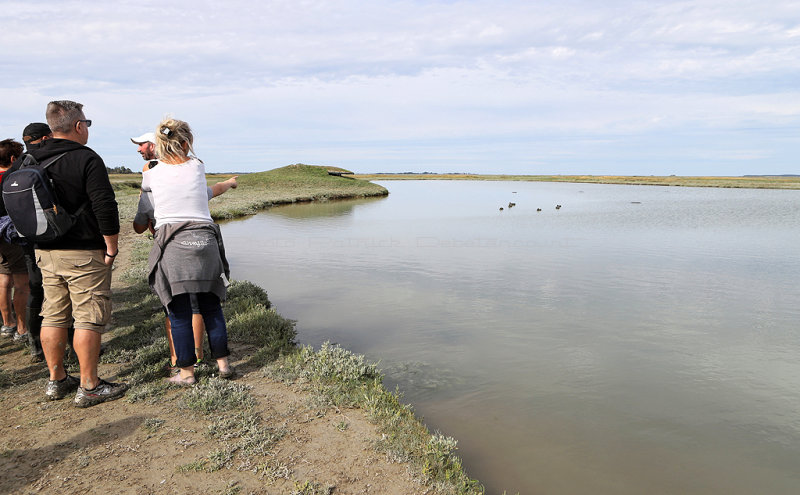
x: 638, y: 340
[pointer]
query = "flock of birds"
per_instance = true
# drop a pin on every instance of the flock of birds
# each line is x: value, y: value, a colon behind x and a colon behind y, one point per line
x: 511, y: 205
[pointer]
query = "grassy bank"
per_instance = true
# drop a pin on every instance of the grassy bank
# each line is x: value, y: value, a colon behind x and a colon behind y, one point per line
x: 290, y: 184
x: 755, y: 182
x: 331, y: 379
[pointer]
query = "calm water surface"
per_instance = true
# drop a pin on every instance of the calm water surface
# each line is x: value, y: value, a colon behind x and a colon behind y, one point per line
x: 638, y: 340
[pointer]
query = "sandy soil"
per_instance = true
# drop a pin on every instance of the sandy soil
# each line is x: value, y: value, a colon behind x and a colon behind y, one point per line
x: 138, y: 448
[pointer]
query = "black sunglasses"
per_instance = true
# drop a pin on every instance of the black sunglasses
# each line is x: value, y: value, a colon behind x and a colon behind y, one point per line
x: 87, y: 122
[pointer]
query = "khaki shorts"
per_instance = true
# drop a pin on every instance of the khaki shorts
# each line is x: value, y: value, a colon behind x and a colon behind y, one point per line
x: 12, y: 259
x: 77, y: 286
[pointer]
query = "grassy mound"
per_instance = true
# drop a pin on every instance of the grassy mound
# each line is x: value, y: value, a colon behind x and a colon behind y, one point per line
x: 290, y: 184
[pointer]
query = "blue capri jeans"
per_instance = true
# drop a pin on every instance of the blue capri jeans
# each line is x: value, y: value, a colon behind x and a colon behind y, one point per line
x: 180, y: 317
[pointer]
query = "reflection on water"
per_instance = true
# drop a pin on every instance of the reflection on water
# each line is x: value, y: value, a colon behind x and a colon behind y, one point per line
x: 322, y: 209
x: 426, y: 380
x: 637, y: 340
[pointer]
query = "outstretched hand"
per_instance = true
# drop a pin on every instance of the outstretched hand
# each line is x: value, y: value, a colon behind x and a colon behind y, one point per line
x: 221, y: 187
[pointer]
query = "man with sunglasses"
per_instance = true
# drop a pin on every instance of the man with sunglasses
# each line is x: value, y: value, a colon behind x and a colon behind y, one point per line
x: 76, y: 268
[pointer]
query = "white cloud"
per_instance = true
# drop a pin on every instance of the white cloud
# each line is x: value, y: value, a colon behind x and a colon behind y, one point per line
x: 352, y: 80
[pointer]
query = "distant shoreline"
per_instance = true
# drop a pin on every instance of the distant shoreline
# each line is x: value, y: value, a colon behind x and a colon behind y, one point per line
x: 746, y: 182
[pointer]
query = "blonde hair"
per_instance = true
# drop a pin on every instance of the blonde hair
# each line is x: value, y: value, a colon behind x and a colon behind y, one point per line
x: 170, y: 136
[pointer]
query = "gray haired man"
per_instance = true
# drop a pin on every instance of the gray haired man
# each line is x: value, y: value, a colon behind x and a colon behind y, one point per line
x: 76, y: 268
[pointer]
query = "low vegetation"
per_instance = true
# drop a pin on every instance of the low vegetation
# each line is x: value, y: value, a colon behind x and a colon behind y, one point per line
x: 749, y: 182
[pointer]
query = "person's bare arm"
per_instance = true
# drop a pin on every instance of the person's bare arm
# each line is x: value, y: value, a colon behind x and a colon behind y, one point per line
x: 139, y: 228
x: 222, y: 187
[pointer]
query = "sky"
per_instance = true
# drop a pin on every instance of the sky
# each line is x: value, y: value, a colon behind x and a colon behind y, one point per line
x: 706, y: 87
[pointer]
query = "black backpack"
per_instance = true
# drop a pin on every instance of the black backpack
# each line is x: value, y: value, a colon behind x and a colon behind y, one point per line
x: 31, y: 202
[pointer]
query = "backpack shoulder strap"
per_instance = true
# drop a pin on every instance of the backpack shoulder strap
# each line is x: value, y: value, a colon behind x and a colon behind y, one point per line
x: 81, y: 209
x: 52, y: 160
x: 27, y: 161
x: 47, y: 163
x: 30, y: 161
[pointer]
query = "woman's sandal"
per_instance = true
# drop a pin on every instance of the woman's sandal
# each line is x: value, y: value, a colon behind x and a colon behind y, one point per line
x: 183, y: 382
x: 228, y: 374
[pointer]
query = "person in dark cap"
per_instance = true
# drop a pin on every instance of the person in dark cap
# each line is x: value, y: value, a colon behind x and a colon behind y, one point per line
x: 35, y: 134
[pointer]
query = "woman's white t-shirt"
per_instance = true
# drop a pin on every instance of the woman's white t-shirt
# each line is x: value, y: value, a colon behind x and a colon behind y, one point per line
x: 180, y: 192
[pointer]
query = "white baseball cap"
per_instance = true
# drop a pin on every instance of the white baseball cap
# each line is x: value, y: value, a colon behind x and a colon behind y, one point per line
x: 147, y: 137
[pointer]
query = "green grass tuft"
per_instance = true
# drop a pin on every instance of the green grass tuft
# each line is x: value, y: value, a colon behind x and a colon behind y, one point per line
x: 153, y: 424
x: 312, y: 488
x: 215, y: 395
x: 246, y: 292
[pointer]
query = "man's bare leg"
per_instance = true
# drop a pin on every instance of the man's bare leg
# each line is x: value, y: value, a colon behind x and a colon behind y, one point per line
x: 87, y: 347
x: 6, y: 283
x: 21, y: 301
x: 54, y: 342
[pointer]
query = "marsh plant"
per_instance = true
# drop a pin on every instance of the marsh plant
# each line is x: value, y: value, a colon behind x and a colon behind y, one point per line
x: 247, y: 432
x: 232, y: 488
x: 251, y: 320
x: 215, y: 395
x: 153, y: 424
x: 312, y: 488
x: 335, y: 375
